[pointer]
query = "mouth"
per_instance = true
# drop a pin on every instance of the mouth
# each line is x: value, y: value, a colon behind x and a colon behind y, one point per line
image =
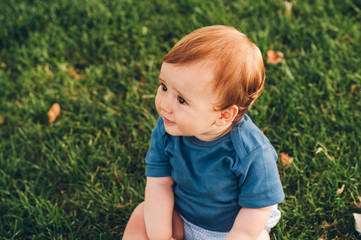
x: 167, y: 121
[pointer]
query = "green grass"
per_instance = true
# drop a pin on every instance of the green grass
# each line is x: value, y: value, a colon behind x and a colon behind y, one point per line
x: 80, y: 177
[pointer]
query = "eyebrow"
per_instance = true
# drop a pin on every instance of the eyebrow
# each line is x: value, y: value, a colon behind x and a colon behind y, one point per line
x: 179, y: 93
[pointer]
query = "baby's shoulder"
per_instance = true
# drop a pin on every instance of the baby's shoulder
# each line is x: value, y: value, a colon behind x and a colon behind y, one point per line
x: 247, y: 137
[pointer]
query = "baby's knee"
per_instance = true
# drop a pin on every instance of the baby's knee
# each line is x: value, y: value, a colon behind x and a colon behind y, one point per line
x: 135, y: 228
x: 264, y: 235
x: 139, y: 210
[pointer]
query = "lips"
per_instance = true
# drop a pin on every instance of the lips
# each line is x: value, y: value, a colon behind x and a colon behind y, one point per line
x: 167, y: 121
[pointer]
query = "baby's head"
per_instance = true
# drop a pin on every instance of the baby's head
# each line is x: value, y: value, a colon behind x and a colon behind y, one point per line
x: 237, y: 64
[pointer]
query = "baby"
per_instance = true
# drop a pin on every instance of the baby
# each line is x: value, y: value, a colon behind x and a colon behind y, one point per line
x: 211, y: 173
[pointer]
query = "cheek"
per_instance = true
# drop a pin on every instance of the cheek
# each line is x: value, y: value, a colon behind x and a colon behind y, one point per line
x: 186, y: 121
x: 157, y: 101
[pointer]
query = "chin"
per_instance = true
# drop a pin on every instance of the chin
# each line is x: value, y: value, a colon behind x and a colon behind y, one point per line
x: 173, y: 132
x: 170, y: 132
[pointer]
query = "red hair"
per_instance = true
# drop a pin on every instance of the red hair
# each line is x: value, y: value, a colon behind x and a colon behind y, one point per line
x: 239, y: 69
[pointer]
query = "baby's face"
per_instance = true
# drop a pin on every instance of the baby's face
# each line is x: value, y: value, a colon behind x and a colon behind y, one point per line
x: 186, y: 102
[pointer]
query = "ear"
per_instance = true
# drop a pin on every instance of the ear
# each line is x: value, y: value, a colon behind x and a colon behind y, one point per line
x: 227, y: 116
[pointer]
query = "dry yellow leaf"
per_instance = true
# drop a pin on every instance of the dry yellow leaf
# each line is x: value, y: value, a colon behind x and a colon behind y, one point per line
x: 288, y: 10
x: 340, y: 190
x: 72, y: 72
x: 352, y: 89
x: 274, y: 57
x: 324, y: 150
x: 286, y: 159
x: 358, y: 205
x: 53, y: 112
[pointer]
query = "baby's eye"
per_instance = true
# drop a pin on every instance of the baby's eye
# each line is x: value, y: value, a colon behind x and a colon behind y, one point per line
x: 181, y: 100
x: 164, y: 87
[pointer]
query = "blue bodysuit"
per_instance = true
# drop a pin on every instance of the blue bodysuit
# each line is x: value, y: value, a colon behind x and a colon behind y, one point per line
x: 214, y: 180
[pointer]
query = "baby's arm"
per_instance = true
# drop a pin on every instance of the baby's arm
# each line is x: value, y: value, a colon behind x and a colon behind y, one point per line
x: 158, y: 208
x: 249, y: 223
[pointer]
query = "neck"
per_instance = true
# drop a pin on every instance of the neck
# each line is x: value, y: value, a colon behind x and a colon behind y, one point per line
x: 216, y: 133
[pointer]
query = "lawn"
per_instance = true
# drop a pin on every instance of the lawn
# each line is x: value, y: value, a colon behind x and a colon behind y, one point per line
x: 81, y: 176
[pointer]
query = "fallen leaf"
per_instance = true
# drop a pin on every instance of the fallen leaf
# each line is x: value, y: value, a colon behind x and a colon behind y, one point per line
x: 2, y: 119
x: 144, y: 30
x: 340, y: 190
x: 274, y: 57
x: 358, y: 205
x: 286, y: 159
x: 324, y: 150
x: 72, y: 72
x: 357, y: 217
x: 116, y: 175
x: 53, y: 112
x: 288, y: 11
x: 352, y: 89
x: 326, y: 225
x: 142, y: 81
x: 108, y: 96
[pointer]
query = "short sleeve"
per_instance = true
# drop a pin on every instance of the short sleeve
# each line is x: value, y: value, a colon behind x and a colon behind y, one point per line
x: 259, y: 180
x: 157, y: 162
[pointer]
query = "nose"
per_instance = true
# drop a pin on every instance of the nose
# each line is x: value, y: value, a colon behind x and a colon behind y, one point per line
x: 167, y: 104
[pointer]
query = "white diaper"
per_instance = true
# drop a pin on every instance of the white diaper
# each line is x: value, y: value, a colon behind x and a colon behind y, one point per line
x: 193, y: 232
